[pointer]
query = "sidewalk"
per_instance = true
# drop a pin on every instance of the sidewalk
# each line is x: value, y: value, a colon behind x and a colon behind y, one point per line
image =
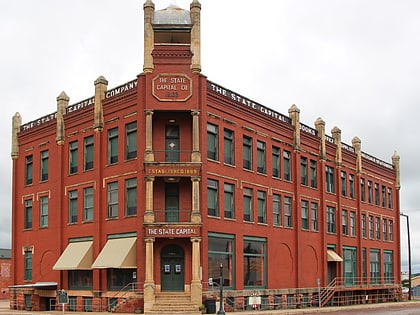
x: 4, y: 309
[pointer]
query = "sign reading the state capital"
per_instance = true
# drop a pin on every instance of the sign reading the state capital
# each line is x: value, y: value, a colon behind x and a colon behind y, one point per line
x: 173, y: 231
x: 172, y: 87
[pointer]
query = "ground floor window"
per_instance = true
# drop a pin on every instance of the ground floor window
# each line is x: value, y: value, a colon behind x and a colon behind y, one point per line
x: 374, y: 266
x: 120, y: 279
x: 388, y: 266
x: 221, y: 249
x: 72, y: 303
x: 80, y: 280
x: 254, y: 262
x: 350, y: 265
x: 87, y: 304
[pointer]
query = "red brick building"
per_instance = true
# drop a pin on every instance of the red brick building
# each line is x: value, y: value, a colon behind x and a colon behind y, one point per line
x: 5, y: 272
x: 140, y: 193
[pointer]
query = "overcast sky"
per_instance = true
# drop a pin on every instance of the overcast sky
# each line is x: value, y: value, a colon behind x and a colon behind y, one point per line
x: 354, y: 63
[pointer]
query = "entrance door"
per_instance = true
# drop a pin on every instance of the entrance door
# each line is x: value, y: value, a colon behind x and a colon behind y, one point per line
x: 331, y: 271
x: 172, y: 143
x: 172, y: 202
x: 172, y: 268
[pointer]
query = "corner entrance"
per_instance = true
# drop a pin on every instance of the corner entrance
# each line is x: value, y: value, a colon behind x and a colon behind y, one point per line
x: 172, y: 268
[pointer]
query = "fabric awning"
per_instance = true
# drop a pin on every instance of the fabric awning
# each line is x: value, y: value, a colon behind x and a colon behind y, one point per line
x: 333, y: 256
x: 117, y: 253
x: 76, y: 256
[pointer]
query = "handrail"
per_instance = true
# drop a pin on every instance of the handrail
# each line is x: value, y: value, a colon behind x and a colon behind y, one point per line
x: 134, y: 288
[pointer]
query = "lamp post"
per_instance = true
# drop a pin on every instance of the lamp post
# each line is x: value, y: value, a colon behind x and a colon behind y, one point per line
x: 221, y: 310
x: 409, y: 254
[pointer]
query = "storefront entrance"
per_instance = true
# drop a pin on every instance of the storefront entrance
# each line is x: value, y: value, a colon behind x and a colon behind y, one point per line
x: 172, y: 268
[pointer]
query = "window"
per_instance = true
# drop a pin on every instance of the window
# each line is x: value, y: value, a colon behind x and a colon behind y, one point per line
x: 349, y: 265
x: 262, y: 207
x: 371, y: 227
x: 313, y: 174
x: 247, y: 153
x: 304, y: 171
x: 212, y: 132
x: 370, y: 194
x: 385, y: 229
x: 229, y: 147
x: 331, y: 219
x: 261, y: 164
x: 88, y: 153
x: 287, y: 168
x: 388, y: 266
x: 275, y: 160
x: 221, y: 250
x: 28, y: 265
x: 43, y: 211
x: 88, y: 204
x: 305, y: 215
x: 362, y: 190
x: 344, y: 224
x: 254, y: 262
x: 212, y: 200
x: 375, y: 272
x: 344, y: 184
x: 131, y: 140
x: 44, y: 165
x: 112, y: 200
x: 117, y: 279
x: 391, y: 230
x: 377, y: 199
x: 229, y: 199
x: 389, y: 198
x: 383, y: 196
x: 378, y: 228
x: 113, y: 146
x: 73, y: 157
x: 276, y: 210
x: 351, y: 186
x: 364, y: 265
x: 28, y: 214
x: 80, y: 279
x: 131, y: 196
x: 314, y: 216
x: 364, y: 225
x: 28, y: 169
x: 73, y: 209
x: 288, y: 219
x: 329, y: 176
x: 352, y: 223
x: 248, y: 205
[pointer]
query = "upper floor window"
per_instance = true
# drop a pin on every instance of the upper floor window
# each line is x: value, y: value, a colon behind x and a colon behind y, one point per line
x: 352, y: 223
x: 28, y: 214
x: 377, y: 198
x: 73, y: 206
x: 112, y: 200
x: 212, y: 199
x: 304, y: 171
x: 288, y: 215
x: 73, y: 157
x: 88, y: 204
x: 313, y: 172
x: 385, y: 229
x: 248, y: 205
x: 331, y: 221
x: 131, y: 196
x: 229, y: 200
x: 229, y: 147
x: 287, y: 167
x: 389, y: 198
x: 275, y: 160
x: 343, y: 184
x: 344, y: 218
x: 44, y: 165
x: 131, y: 140
x: 362, y: 190
x: 43, y: 211
x: 262, y: 207
x: 329, y: 177
x: 383, y: 196
x: 391, y: 230
x: 28, y: 169
x: 212, y: 146
x: 276, y: 210
x: 261, y: 164
x: 370, y: 193
x: 27, y: 265
x: 88, y: 153
x: 351, y: 186
x: 305, y: 215
x: 113, y: 145
x: 247, y: 152
x: 314, y: 216
x: 371, y: 233
x: 378, y: 228
x: 364, y: 225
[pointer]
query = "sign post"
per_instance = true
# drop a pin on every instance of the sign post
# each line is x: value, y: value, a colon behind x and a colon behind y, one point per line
x: 62, y: 298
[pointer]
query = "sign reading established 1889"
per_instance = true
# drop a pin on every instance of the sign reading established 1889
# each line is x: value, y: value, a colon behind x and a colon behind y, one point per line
x: 170, y: 87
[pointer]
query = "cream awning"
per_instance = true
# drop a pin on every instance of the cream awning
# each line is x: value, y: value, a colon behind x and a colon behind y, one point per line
x: 333, y: 256
x: 117, y: 253
x: 76, y: 256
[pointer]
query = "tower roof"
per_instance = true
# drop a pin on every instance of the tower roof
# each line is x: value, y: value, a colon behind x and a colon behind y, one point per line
x: 172, y: 15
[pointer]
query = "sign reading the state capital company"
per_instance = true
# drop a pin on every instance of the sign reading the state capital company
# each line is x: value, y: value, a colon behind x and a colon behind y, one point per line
x: 172, y: 87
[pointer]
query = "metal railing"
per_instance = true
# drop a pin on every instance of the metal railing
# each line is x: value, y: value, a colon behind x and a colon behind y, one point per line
x: 128, y: 290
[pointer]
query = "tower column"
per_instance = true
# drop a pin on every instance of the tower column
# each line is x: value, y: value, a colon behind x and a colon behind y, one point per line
x: 195, y: 156
x: 149, y: 282
x: 148, y: 213
x: 195, y: 211
x: 149, y: 157
x: 196, y: 288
